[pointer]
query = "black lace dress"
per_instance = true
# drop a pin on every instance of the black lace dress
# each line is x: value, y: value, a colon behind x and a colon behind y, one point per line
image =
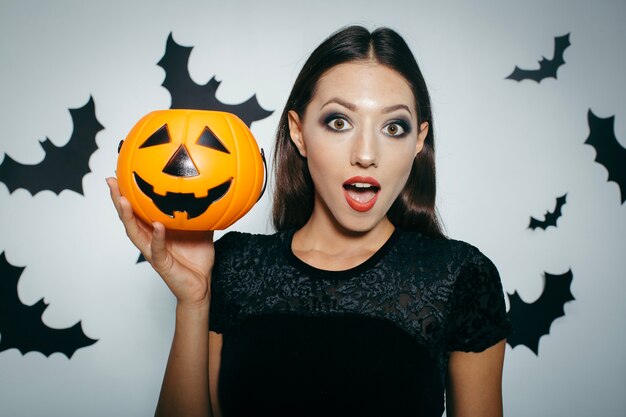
x: 373, y: 340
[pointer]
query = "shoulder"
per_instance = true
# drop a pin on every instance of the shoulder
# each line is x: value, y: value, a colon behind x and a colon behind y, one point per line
x: 475, y: 268
x: 245, y: 240
x: 452, y: 254
x: 413, y: 240
x: 460, y: 265
x: 241, y: 245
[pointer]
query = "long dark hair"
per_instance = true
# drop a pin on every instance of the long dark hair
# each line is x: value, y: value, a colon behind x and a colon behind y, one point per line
x: 414, y: 209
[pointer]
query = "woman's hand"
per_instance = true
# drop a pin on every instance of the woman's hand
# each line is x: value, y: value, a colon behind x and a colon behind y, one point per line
x: 183, y: 259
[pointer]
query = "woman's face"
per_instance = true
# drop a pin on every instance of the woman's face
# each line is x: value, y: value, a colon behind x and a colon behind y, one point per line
x: 360, y: 135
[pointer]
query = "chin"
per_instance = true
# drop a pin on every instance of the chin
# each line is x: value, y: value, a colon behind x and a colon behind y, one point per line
x: 359, y: 224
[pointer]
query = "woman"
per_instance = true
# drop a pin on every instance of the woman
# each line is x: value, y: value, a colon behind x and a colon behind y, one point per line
x: 358, y: 305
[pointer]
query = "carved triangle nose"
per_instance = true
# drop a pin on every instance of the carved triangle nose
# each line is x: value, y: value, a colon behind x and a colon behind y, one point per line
x: 180, y: 164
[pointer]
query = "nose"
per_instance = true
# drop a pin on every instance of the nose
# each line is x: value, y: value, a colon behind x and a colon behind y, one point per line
x: 181, y: 165
x: 365, y: 150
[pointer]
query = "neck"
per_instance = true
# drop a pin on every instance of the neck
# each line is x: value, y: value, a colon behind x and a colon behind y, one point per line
x: 323, y: 234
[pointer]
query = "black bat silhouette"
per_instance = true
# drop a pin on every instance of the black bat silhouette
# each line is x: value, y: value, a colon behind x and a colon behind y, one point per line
x: 186, y: 94
x: 550, y: 218
x: 21, y: 326
x: 62, y: 168
x: 533, y: 320
x: 609, y: 152
x: 547, y: 67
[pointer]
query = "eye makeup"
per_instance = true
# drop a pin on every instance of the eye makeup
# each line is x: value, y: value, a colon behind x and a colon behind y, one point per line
x: 403, y: 124
x: 328, y: 118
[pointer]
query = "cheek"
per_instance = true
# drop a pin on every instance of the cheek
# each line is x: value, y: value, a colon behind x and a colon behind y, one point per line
x: 399, y: 166
x: 322, y: 165
x: 324, y: 155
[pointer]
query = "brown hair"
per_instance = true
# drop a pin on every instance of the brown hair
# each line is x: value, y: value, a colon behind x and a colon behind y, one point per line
x: 414, y: 209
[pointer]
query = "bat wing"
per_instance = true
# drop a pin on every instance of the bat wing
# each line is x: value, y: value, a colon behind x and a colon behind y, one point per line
x: 520, y: 74
x: 186, y: 94
x: 558, y: 210
x: 62, y: 168
x: 21, y: 326
x: 533, y: 320
x: 550, y: 218
x: 609, y: 152
x: 547, y: 67
x: 561, y: 43
x: 535, y: 223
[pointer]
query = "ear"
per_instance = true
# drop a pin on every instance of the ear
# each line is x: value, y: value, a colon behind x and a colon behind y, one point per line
x: 295, y: 132
x: 421, y: 137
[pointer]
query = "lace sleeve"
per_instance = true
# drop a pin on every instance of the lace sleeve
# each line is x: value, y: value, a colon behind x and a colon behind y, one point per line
x: 217, y: 313
x: 478, y: 316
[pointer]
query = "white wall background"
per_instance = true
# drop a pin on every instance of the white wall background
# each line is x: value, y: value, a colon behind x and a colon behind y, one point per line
x: 506, y: 150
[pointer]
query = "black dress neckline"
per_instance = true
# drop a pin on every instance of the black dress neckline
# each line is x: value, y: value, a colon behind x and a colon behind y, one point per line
x: 341, y: 274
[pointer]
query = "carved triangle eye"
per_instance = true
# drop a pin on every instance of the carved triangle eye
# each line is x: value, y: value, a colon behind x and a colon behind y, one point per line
x: 181, y: 164
x: 159, y: 137
x: 208, y: 139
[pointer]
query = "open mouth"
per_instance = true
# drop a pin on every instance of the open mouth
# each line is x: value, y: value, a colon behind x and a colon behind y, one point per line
x: 361, y: 193
x: 182, y: 202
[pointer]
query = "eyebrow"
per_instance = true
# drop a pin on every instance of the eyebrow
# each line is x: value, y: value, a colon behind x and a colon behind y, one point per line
x: 397, y: 107
x: 352, y: 107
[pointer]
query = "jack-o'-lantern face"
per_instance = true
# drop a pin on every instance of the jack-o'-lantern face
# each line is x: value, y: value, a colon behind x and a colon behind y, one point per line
x: 190, y: 169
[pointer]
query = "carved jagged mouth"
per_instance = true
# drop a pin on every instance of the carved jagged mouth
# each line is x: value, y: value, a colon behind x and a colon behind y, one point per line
x: 183, y: 202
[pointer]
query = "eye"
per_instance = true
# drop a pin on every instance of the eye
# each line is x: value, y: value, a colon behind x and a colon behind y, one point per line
x: 338, y: 123
x: 159, y: 137
x: 208, y: 139
x: 396, y: 128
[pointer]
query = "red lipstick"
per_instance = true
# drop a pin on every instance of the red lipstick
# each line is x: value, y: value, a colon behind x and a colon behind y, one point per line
x: 361, y: 193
